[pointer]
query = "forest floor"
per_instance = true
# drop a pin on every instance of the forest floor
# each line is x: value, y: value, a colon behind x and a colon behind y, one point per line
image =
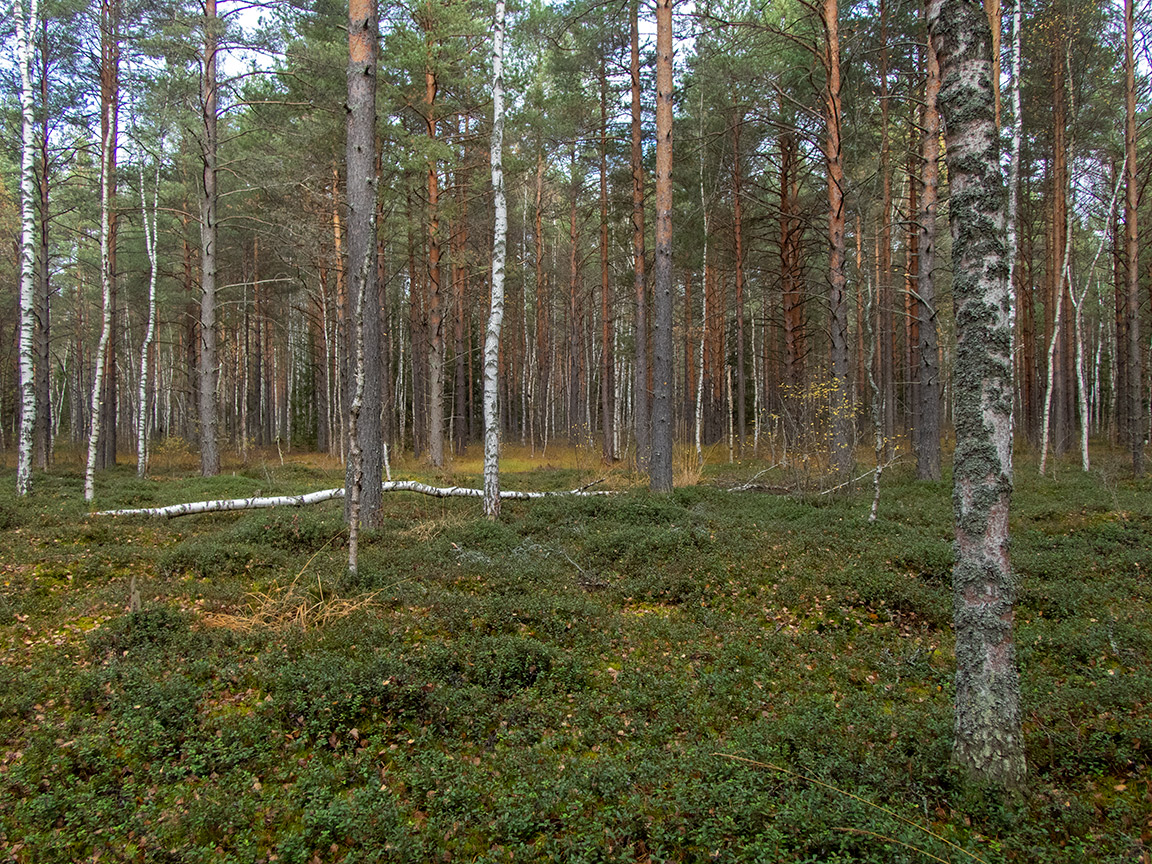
x: 588, y: 680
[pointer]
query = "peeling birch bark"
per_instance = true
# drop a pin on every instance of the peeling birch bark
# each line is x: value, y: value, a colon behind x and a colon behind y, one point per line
x: 24, y: 31
x: 499, y: 254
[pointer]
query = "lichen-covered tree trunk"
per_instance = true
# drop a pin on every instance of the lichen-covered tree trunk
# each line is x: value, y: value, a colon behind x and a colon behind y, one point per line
x: 988, y: 737
x: 24, y: 29
x: 660, y: 464
x: 499, y: 254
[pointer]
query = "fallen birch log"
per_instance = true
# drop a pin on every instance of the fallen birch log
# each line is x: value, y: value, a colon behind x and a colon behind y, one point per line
x: 228, y: 504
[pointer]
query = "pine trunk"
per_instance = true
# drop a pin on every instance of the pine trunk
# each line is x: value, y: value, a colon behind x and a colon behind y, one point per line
x: 640, y: 389
x: 1134, y: 373
x: 660, y: 467
x: 607, y: 357
x: 435, y: 290
x: 209, y: 452
x: 927, y: 431
x: 364, y: 472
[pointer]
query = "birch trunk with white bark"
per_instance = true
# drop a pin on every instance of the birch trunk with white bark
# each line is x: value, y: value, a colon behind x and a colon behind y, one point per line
x: 148, y: 217
x: 499, y: 254
x: 106, y: 146
x: 230, y: 504
x: 24, y: 29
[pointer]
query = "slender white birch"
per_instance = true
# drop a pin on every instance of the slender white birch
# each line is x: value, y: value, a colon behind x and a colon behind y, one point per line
x: 148, y: 217
x: 106, y: 145
x: 1077, y: 299
x: 499, y: 254
x: 1065, y: 279
x: 24, y: 30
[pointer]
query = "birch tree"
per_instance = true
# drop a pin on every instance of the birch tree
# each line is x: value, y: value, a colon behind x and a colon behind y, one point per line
x: 148, y: 218
x: 107, y: 145
x: 499, y: 254
x: 26, y: 25
x: 989, y: 741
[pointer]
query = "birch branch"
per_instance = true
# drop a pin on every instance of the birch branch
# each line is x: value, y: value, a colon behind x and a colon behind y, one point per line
x: 228, y: 504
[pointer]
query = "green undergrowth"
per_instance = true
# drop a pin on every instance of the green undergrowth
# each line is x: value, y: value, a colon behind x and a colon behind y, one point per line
x: 709, y: 675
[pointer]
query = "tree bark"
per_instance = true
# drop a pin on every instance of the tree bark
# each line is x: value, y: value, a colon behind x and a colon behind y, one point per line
x: 988, y: 737
x: 1134, y: 374
x: 607, y: 356
x: 499, y: 254
x: 543, y: 307
x: 927, y: 431
x: 98, y: 390
x: 209, y: 451
x: 28, y: 406
x: 640, y: 391
x: 227, y: 505
x: 660, y: 467
x: 42, y: 445
x: 886, y: 332
x: 459, y: 244
x: 366, y: 467
x: 841, y: 455
x: 109, y: 116
x: 738, y: 240
x: 435, y: 289
x: 148, y: 218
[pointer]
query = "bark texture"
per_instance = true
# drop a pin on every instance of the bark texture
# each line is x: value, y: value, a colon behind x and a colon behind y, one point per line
x: 24, y: 30
x: 209, y: 450
x: 364, y: 348
x: 841, y: 449
x: 499, y: 255
x: 988, y: 737
x: 640, y: 389
x: 660, y: 465
x: 927, y: 431
x: 1132, y: 283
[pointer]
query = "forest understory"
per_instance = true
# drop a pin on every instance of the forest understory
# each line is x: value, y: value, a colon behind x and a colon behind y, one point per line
x: 717, y: 674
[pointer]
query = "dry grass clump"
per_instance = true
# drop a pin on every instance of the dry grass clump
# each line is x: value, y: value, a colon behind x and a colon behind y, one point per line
x: 298, y: 604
